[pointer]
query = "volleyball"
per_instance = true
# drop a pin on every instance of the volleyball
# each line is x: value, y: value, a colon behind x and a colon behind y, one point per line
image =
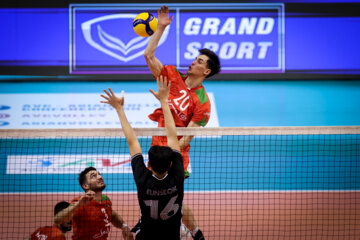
x: 145, y: 24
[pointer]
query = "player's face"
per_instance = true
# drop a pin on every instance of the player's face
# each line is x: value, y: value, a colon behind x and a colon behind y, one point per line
x: 199, y: 66
x: 95, y: 181
x: 65, y: 227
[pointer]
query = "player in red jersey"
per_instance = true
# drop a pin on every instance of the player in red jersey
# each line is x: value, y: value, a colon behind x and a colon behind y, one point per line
x: 189, y: 107
x: 189, y: 102
x: 55, y: 232
x: 92, y: 213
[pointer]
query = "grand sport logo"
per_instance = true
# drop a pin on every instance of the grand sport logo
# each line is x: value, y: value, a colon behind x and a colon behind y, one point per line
x: 112, y: 44
x: 248, y: 38
x: 214, y: 29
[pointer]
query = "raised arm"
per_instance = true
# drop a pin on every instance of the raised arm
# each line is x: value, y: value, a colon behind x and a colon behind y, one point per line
x: 162, y: 95
x: 67, y: 214
x: 154, y: 64
x: 118, y: 104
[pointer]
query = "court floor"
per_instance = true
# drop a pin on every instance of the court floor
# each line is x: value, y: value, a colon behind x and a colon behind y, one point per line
x: 256, y: 215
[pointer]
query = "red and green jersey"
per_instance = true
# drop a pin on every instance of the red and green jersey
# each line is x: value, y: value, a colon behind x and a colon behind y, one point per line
x: 93, y: 220
x: 185, y: 104
x: 48, y: 233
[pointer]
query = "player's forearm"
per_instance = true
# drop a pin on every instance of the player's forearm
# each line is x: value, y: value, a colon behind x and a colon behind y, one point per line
x: 128, y: 132
x: 185, y: 141
x: 154, y: 41
x: 126, y: 127
x: 117, y: 221
x: 169, y: 120
x: 66, y: 214
x: 170, y: 126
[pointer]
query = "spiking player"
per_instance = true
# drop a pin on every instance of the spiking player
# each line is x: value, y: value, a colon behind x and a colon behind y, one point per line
x: 190, y: 105
x: 92, y: 213
x: 161, y: 189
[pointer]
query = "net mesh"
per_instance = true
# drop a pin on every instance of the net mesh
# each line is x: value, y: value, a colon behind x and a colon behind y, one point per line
x: 245, y: 183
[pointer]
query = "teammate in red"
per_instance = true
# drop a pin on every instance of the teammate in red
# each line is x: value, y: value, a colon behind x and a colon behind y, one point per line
x: 92, y: 213
x: 189, y: 102
x: 55, y: 232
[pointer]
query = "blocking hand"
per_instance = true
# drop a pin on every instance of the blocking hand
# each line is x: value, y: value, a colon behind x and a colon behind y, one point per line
x: 163, y: 88
x: 112, y: 99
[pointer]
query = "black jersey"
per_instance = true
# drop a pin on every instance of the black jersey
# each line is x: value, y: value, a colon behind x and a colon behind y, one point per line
x: 160, y: 200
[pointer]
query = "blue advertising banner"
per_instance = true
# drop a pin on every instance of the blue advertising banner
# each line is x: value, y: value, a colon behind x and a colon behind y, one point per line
x: 252, y: 38
x: 247, y: 37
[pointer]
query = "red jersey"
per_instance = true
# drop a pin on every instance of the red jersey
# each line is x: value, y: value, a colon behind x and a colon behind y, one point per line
x: 48, y: 233
x: 93, y: 220
x: 185, y: 104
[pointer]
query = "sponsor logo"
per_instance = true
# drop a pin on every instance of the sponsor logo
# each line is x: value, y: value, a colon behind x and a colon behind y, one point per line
x: 4, y: 115
x: 70, y: 164
x: 3, y: 107
x: 246, y: 37
x: 67, y: 164
x: 2, y: 123
x: 110, y: 44
x: 222, y: 35
x: 81, y: 111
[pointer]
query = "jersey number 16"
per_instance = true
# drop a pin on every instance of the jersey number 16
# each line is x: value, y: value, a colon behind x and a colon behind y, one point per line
x: 169, y: 210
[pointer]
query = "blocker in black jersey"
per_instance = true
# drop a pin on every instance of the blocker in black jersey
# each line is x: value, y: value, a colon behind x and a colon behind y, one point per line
x: 160, y: 200
x: 161, y: 189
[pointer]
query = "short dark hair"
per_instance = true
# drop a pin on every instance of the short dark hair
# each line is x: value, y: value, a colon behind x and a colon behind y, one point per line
x: 82, y: 176
x: 213, y: 63
x: 160, y: 158
x: 60, y: 206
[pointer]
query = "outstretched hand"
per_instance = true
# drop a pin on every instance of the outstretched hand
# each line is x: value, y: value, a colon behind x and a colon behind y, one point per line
x: 163, y: 88
x: 112, y: 99
x: 163, y: 16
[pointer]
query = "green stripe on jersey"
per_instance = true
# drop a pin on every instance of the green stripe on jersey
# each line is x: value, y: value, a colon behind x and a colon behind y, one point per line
x: 182, y: 75
x: 104, y: 198
x: 202, y: 123
x: 201, y: 95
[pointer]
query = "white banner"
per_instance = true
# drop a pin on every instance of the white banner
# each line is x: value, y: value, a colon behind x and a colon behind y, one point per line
x: 27, y: 111
x: 70, y: 164
x: 67, y: 164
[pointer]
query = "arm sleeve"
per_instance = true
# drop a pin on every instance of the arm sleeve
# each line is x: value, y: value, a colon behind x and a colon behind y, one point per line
x: 138, y: 167
x: 172, y: 73
x: 164, y: 71
x: 202, y: 114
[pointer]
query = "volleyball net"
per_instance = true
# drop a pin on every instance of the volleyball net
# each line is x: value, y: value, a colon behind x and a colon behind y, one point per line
x: 245, y: 183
